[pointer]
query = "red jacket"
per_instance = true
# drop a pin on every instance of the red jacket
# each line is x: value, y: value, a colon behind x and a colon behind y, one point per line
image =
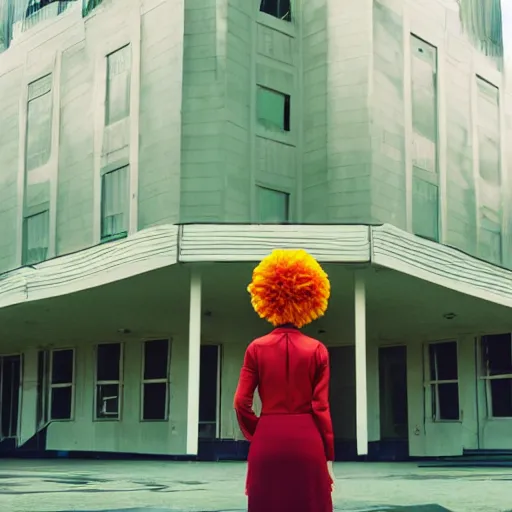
x: 291, y: 372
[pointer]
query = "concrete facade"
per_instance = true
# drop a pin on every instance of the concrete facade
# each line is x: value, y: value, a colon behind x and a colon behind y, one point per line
x: 210, y: 111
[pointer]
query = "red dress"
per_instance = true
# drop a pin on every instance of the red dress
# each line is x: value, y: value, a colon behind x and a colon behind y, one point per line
x: 292, y: 440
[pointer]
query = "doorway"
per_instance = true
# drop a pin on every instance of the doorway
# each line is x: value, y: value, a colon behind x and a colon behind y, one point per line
x: 10, y: 387
x: 393, y: 398
x: 209, y: 392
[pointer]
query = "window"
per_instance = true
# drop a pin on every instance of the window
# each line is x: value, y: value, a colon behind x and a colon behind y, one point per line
x: 155, y: 380
x: 118, y: 85
x: 42, y: 388
x: 39, y: 123
x: 38, y: 10
x: 114, y: 204
x: 89, y: 5
x: 62, y: 370
x: 444, y: 381
x: 497, y: 371
x: 489, y: 148
x: 273, y: 110
x: 425, y: 196
x: 278, y: 8
x: 273, y: 206
x: 36, y: 238
x: 108, y: 381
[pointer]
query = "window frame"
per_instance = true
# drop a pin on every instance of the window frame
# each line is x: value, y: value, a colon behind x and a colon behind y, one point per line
x: 287, y: 111
x: 263, y: 187
x: 24, y: 247
x: 119, y: 383
x: 430, y: 383
x: 108, y: 121
x: 126, y: 168
x: 53, y: 386
x: 286, y: 19
x: 487, y: 378
x: 166, y: 381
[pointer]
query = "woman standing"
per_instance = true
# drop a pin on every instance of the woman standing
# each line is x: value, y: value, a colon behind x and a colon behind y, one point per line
x: 292, y: 446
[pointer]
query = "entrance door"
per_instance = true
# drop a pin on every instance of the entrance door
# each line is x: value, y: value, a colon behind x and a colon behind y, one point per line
x: 393, y: 401
x: 10, y: 382
x: 209, y: 392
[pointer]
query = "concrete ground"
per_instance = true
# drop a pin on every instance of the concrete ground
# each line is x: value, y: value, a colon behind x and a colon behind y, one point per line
x: 150, y: 486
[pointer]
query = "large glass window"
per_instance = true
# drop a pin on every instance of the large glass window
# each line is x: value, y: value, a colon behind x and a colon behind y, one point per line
x: 119, y: 66
x: 109, y: 363
x: 273, y: 110
x: 39, y: 123
x: 273, y: 206
x: 62, y: 384
x: 155, y: 380
x: 114, y: 204
x: 489, y: 186
x: 425, y: 200
x: 443, y: 381
x: 36, y: 232
x: 497, y: 372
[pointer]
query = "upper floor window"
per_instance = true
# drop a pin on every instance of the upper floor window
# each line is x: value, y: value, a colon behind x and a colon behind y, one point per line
x: 118, y: 85
x: 114, y: 204
x: 62, y: 384
x: 39, y: 10
x: 109, y: 365
x: 273, y: 109
x: 39, y: 123
x: 89, y: 5
x: 36, y: 238
x: 443, y: 381
x: 280, y: 9
x: 273, y: 206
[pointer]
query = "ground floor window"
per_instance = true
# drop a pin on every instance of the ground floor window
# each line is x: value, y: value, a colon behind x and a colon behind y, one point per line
x: 155, y: 380
x: 497, y: 372
x: 443, y: 381
x: 109, y: 370
x: 62, y: 384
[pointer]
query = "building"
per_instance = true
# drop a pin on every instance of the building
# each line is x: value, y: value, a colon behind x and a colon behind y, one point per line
x: 152, y: 151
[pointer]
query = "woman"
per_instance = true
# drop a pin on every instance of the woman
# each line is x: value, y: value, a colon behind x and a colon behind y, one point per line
x: 292, y: 446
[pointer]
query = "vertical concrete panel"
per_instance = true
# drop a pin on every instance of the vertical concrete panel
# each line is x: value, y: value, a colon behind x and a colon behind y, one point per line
x: 161, y: 77
x: 387, y: 101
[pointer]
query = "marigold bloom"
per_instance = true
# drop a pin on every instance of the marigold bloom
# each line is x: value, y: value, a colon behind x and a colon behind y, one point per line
x: 289, y: 287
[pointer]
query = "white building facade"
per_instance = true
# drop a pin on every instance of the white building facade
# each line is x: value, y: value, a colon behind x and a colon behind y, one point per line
x: 153, y: 151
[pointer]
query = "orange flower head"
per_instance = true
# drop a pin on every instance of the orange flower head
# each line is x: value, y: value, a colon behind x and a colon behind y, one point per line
x: 289, y: 287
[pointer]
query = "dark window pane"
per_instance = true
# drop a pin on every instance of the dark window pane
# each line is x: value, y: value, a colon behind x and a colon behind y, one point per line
x: 156, y: 359
x: 107, y: 401
x: 497, y: 352
x: 155, y: 401
x: 448, y: 407
x: 501, y: 396
x: 62, y: 367
x: 108, y: 361
x: 444, y: 355
x: 9, y: 399
x: 61, y: 403
x: 278, y: 8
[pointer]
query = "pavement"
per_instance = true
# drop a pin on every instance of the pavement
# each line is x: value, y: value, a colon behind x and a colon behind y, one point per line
x: 67, y: 485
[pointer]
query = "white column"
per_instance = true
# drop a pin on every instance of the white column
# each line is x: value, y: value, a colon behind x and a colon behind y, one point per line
x: 194, y: 352
x: 361, y: 384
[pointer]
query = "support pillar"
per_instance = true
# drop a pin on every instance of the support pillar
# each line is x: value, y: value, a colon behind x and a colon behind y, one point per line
x: 194, y: 354
x: 360, y: 349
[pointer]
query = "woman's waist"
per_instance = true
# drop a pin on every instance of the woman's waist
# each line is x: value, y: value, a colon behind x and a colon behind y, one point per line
x: 293, y: 412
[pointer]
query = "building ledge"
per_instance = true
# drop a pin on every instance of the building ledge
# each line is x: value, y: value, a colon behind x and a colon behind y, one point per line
x: 163, y: 246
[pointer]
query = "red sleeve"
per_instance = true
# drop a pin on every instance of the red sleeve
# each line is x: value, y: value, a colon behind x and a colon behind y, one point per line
x: 320, y: 402
x: 245, y: 393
